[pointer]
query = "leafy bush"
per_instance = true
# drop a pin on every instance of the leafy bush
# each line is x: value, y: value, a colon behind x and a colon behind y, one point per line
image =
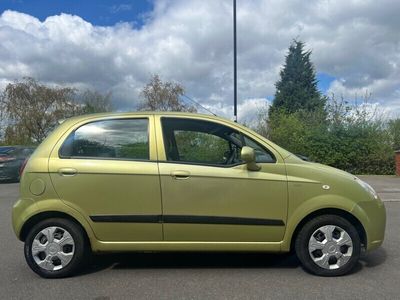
x: 394, y: 131
x: 351, y: 138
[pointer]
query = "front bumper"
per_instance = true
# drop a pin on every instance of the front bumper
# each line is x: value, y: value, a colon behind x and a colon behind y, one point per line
x: 372, y: 214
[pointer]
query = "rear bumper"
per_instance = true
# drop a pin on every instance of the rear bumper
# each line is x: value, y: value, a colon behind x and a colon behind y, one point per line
x: 20, y: 211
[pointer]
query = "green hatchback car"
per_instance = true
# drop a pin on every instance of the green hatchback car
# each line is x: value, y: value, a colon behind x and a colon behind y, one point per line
x: 186, y: 182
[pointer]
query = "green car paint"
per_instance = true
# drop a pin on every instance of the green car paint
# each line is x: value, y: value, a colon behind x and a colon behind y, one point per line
x: 159, y: 205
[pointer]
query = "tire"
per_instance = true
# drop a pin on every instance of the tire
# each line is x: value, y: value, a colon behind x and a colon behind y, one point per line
x: 56, y: 248
x: 328, y: 245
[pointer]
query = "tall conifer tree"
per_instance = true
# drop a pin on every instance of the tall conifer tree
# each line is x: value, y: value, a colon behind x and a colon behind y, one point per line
x: 297, y: 90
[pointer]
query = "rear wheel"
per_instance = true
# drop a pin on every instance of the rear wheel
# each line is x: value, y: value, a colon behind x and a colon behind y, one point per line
x: 56, y: 248
x: 328, y: 245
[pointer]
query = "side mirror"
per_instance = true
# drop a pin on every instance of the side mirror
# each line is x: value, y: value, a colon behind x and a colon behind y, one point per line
x: 249, y: 157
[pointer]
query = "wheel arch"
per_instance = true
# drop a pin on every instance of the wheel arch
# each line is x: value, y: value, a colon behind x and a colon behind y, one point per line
x: 330, y: 211
x: 35, y: 219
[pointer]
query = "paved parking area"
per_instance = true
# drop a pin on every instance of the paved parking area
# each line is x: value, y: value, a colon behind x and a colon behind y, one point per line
x: 388, y: 187
x: 202, y: 275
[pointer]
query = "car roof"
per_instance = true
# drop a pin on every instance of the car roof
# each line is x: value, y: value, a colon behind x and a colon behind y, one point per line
x: 107, y: 115
x: 136, y: 113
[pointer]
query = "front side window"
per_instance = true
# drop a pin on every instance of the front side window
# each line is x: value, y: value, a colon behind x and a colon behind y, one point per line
x: 262, y: 155
x: 201, y: 147
x: 119, y: 139
x: 203, y: 142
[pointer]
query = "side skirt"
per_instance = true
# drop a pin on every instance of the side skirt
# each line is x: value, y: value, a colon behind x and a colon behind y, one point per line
x: 101, y: 246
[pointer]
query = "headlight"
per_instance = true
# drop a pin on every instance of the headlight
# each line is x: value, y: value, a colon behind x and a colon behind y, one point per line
x: 367, y: 187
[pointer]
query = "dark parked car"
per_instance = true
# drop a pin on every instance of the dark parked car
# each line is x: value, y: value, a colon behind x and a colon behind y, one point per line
x: 11, y: 160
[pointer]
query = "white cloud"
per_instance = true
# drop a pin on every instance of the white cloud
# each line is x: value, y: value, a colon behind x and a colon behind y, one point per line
x: 248, y: 110
x: 357, y: 42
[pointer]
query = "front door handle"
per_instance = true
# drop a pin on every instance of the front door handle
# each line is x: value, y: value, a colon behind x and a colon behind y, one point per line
x: 67, y: 171
x: 180, y: 174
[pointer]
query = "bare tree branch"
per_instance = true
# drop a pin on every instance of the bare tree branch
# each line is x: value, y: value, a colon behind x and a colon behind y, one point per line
x: 163, y: 96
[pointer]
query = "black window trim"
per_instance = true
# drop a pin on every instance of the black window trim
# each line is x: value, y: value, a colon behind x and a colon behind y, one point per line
x: 262, y: 147
x: 206, y: 164
x: 201, y: 163
x: 107, y: 158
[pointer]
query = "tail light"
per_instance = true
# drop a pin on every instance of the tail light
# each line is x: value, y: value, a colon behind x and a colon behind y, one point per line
x: 21, y: 169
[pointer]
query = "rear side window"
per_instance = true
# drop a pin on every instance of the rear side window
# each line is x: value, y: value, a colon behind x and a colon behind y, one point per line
x: 118, y: 139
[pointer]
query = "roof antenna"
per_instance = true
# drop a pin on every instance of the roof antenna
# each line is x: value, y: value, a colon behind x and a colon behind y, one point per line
x: 197, y: 103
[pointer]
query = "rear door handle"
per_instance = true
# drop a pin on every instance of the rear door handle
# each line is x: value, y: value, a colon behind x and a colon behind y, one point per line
x: 180, y: 174
x: 67, y: 171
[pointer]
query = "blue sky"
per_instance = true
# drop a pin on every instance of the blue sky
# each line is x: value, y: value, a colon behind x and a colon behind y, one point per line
x: 102, y: 12
x: 116, y: 46
x: 105, y: 13
x: 324, y: 81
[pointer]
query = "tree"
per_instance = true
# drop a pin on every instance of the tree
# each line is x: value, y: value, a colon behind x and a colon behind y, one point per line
x: 355, y: 137
x: 296, y: 90
x: 95, y: 102
x: 394, y: 130
x: 2, y: 117
x: 163, y: 96
x: 31, y: 110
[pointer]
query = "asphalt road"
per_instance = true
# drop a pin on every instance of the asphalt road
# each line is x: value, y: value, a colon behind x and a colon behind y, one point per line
x: 202, y: 275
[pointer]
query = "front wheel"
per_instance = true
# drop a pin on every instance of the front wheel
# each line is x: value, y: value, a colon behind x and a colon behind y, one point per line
x: 328, y: 245
x: 56, y: 248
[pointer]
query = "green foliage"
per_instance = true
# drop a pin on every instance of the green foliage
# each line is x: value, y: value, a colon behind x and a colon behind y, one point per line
x: 289, y: 131
x: 394, y: 131
x: 90, y: 148
x: 352, y: 138
x: 349, y: 137
x: 138, y: 150
x: 201, y: 147
x: 296, y: 90
x: 29, y: 109
x: 358, y: 148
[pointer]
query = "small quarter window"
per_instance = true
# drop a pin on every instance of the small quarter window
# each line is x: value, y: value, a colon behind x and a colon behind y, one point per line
x: 119, y: 139
x: 262, y: 155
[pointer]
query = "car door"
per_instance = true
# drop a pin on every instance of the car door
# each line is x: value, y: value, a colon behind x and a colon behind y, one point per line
x: 107, y: 169
x: 208, y: 194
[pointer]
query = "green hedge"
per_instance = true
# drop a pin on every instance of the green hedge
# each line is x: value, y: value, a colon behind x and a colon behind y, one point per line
x: 359, y: 146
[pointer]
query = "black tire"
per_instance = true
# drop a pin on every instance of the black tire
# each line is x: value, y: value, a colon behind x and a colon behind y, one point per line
x: 81, y: 248
x: 303, y: 238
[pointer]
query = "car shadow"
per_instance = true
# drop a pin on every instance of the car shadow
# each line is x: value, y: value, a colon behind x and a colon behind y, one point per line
x: 7, y: 181
x: 370, y: 260
x: 212, y: 260
x: 189, y: 260
x: 374, y: 259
